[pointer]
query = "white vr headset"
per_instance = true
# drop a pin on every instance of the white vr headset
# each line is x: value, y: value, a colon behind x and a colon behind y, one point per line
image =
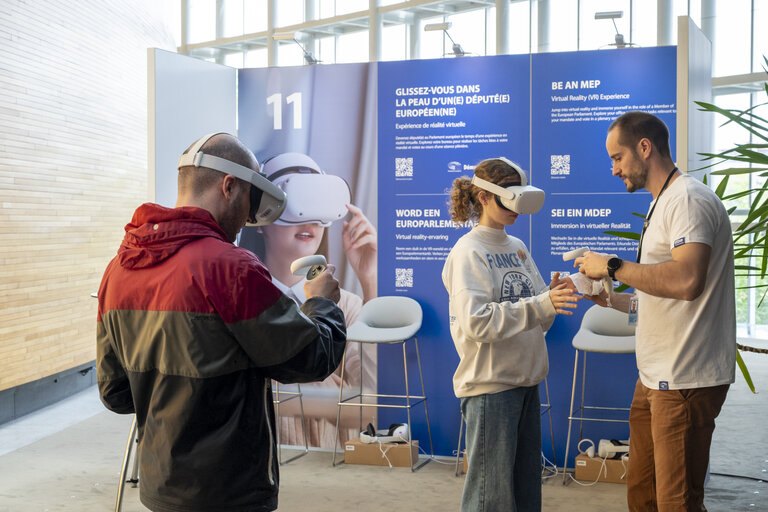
x: 524, y: 199
x: 267, y: 200
x: 314, y: 197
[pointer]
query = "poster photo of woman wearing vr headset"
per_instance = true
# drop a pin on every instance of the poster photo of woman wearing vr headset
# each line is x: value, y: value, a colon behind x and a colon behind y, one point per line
x: 316, y: 200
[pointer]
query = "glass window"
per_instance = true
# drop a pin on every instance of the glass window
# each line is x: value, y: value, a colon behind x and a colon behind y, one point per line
x: 256, y: 58
x: 327, y: 50
x: 352, y: 47
x: 347, y: 6
x: 254, y: 16
x: 519, y: 27
x: 490, y: 32
x: 732, y: 38
x: 289, y: 54
x: 202, y: 21
x: 325, y: 8
x: 468, y: 30
x: 594, y: 34
x: 234, y: 60
x: 394, y: 42
x: 644, y: 29
x: 233, y: 18
x: 760, y: 35
x: 289, y: 12
x: 562, y: 26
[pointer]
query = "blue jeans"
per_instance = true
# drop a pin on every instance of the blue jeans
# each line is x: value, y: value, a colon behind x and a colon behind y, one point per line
x: 504, y: 450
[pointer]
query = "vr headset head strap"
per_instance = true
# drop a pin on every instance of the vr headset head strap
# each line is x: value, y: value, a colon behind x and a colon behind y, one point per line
x: 261, y: 212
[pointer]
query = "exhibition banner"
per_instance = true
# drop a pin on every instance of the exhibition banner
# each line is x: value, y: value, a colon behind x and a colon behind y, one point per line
x: 399, y: 133
x: 575, y: 97
x: 437, y: 119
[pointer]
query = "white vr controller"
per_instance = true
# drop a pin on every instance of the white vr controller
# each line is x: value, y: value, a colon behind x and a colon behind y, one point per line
x: 309, y: 266
x: 585, y: 285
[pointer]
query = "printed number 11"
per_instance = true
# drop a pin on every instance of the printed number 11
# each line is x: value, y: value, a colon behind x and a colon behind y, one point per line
x: 277, y: 107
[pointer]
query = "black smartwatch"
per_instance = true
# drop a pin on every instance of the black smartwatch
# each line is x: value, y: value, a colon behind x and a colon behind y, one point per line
x: 614, y: 264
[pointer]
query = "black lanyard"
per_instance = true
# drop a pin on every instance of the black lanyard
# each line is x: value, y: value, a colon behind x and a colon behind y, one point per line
x: 648, y: 218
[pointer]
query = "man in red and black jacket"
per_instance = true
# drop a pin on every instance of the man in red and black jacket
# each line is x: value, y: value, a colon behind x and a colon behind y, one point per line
x: 191, y: 331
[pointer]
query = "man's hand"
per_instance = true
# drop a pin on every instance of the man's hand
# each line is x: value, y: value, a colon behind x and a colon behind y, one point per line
x: 594, y: 265
x: 563, y: 299
x: 324, y: 285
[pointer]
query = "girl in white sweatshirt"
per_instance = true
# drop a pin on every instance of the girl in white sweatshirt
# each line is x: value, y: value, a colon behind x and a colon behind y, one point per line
x: 499, y: 309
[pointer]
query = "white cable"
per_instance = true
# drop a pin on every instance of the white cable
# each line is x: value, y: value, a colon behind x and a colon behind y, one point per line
x: 603, y: 469
x: 548, y: 466
x: 384, y: 453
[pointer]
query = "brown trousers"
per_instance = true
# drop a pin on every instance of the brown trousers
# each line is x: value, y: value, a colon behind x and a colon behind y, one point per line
x: 670, y: 433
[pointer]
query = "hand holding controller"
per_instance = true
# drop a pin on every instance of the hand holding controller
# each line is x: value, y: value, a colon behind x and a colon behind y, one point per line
x: 309, y: 266
x: 314, y: 267
x: 584, y: 285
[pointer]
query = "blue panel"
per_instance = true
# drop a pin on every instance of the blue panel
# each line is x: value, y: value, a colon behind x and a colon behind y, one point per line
x: 584, y: 199
x: 437, y: 119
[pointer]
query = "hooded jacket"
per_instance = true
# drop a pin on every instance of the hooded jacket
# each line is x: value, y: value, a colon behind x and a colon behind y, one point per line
x: 190, y: 333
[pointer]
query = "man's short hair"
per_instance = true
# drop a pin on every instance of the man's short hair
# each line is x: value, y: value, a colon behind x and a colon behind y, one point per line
x: 636, y: 125
x: 225, y: 146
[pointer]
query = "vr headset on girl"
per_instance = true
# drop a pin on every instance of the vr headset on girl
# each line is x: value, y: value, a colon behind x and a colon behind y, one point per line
x: 523, y: 199
x: 315, y: 197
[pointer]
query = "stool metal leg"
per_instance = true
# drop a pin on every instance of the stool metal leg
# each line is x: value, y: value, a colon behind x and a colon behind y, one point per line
x: 424, y: 394
x: 458, y: 450
x: 570, y: 417
x: 277, y: 401
x: 551, y: 429
x: 338, y: 408
x: 126, y: 460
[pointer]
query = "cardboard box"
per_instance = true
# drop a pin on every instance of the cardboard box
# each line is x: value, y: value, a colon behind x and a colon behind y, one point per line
x: 591, y: 469
x: 357, y: 452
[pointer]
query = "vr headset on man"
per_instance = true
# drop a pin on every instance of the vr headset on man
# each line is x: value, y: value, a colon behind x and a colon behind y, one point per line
x: 267, y: 200
x: 523, y: 198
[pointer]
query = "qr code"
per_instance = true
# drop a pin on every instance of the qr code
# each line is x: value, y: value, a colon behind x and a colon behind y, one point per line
x: 403, y: 278
x: 561, y: 165
x: 403, y: 167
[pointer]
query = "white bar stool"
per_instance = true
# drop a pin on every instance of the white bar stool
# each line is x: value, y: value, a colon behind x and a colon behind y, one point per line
x: 386, y: 320
x: 606, y: 331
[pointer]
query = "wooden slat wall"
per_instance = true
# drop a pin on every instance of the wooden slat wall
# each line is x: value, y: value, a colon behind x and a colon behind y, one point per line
x: 73, y: 167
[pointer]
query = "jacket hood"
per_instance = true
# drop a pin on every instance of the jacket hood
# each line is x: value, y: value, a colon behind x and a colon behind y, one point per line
x: 155, y: 233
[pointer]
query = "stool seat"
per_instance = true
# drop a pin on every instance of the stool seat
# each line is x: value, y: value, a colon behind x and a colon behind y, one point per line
x: 364, y: 333
x: 588, y: 341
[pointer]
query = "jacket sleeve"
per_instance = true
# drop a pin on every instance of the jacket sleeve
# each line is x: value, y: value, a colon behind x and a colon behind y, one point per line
x: 114, y: 388
x: 319, y: 358
x: 484, y: 318
x: 288, y: 344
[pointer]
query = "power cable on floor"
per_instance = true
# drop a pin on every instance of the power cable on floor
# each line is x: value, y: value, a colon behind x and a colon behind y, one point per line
x: 739, y: 476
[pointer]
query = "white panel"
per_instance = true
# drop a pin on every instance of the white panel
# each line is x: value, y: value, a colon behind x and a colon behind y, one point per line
x: 187, y: 98
x: 695, y: 129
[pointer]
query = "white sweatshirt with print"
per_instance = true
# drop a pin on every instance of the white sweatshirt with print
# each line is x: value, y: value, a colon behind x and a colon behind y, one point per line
x: 499, y: 309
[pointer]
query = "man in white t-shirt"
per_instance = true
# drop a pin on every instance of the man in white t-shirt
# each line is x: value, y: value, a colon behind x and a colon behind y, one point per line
x: 686, y: 317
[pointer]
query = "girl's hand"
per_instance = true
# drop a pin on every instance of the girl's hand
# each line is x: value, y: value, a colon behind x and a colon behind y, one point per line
x: 556, y: 281
x: 563, y: 299
x: 360, y: 245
